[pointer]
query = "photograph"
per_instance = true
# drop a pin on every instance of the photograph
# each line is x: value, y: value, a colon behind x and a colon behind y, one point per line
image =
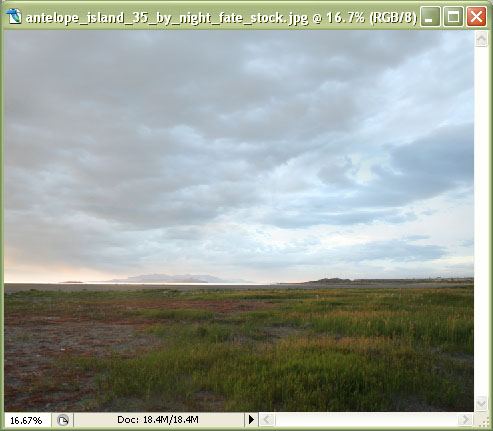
x: 238, y: 221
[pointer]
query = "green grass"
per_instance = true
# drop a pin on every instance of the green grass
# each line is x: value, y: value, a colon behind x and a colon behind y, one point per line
x: 361, y: 374
x: 176, y: 314
x: 291, y: 350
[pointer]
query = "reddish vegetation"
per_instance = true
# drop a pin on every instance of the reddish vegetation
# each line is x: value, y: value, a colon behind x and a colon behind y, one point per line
x: 35, y: 340
x: 217, y: 306
x: 118, y: 312
x: 33, y: 375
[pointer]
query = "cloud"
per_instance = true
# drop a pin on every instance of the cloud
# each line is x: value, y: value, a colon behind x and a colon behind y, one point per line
x: 396, y: 250
x: 147, y: 157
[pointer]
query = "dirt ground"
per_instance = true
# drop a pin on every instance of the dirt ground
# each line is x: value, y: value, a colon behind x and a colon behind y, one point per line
x: 36, y: 344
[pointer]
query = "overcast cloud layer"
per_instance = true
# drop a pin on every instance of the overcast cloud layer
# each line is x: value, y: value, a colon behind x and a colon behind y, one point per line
x: 267, y: 156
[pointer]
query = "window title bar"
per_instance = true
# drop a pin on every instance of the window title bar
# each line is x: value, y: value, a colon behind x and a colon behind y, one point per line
x: 171, y: 15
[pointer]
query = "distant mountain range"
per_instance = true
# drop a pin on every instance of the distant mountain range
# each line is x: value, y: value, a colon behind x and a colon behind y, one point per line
x: 165, y: 278
x: 331, y: 281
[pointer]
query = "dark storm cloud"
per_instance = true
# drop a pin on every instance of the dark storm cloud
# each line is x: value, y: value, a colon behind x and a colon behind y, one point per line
x: 436, y: 163
x: 133, y: 143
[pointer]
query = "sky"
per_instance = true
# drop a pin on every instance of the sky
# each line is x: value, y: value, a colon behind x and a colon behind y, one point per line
x: 266, y: 156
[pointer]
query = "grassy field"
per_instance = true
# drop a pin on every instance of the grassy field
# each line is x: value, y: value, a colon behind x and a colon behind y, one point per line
x: 362, y: 349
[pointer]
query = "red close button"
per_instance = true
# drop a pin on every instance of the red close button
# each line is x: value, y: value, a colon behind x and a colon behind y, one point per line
x: 476, y: 16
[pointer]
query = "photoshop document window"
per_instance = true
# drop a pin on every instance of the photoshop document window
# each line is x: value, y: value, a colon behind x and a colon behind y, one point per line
x: 246, y: 214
